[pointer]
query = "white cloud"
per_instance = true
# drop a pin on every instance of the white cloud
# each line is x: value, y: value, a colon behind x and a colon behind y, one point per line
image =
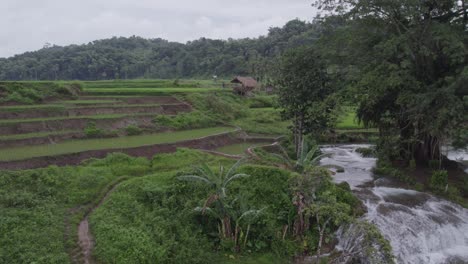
x: 31, y: 23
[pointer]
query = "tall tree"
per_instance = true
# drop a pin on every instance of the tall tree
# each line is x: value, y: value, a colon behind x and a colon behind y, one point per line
x: 411, y: 59
x: 304, y: 90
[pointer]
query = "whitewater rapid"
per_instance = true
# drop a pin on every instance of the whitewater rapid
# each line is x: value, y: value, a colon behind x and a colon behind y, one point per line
x: 421, y: 228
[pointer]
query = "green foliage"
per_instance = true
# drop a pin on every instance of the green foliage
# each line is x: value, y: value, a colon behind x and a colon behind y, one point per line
x: 136, y: 57
x: 262, y: 101
x: 34, y: 204
x: 263, y: 121
x: 366, y: 152
x: 220, y: 106
x: 74, y: 146
x: 91, y: 131
x: 391, y: 62
x: 304, y: 93
x: 133, y: 130
x: 439, y: 181
x: 33, y: 92
x: 385, y: 168
x: 373, y: 247
x: 192, y: 120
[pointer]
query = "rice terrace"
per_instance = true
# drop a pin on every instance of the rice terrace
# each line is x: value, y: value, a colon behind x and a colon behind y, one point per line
x: 340, y: 136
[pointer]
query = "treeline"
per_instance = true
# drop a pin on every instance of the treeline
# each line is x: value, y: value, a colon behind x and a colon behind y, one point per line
x: 136, y: 57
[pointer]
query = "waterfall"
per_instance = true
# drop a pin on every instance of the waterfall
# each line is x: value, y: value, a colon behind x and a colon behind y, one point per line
x: 421, y: 228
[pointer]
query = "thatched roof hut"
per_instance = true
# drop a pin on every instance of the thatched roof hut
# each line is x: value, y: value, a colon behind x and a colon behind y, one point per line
x: 244, y: 85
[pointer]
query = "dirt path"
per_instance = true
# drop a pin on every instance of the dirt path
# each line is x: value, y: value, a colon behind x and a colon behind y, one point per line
x: 85, y: 238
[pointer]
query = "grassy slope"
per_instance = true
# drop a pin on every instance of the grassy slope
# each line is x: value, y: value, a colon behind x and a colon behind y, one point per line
x: 132, y: 225
x: 35, y: 203
x: 109, y: 143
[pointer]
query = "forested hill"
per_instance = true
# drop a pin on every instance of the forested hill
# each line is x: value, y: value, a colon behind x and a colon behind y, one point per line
x: 136, y: 57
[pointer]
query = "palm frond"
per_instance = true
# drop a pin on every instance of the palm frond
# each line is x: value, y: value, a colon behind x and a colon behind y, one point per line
x: 235, y: 166
x: 317, y: 159
x: 284, y: 159
x: 194, y: 178
x: 234, y: 177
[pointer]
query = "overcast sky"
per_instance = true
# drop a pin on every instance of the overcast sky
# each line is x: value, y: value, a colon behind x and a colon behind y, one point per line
x: 27, y: 25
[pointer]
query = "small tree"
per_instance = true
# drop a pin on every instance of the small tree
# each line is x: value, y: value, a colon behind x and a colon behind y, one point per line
x: 327, y: 211
x: 304, y: 93
x: 217, y: 183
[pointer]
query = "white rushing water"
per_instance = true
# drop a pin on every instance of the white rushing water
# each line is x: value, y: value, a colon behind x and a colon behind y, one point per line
x: 420, y: 227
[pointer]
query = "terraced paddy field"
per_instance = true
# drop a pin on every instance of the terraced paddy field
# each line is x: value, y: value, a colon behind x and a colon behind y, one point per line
x: 76, y: 146
x: 99, y: 141
x: 121, y: 115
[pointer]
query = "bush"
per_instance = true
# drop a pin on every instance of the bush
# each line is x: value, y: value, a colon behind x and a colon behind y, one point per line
x: 91, y: 131
x: 190, y: 120
x: 262, y: 101
x: 34, y: 92
x: 385, y: 168
x: 133, y: 130
x: 366, y: 152
x: 439, y: 180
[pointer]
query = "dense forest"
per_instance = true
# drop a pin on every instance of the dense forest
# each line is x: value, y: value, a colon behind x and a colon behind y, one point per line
x: 136, y: 57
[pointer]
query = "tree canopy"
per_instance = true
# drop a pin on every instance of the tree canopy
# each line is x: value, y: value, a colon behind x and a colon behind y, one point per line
x: 136, y: 57
x: 405, y: 61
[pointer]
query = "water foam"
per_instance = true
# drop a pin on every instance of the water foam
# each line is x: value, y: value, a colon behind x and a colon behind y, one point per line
x: 420, y: 227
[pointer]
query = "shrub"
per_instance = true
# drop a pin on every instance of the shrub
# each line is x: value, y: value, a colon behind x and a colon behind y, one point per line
x: 366, y: 152
x: 261, y: 101
x: 190, y: 120
x: 133, y: 130
x: 385, y: 168
x: 91, y: 131
x: 439, y: 180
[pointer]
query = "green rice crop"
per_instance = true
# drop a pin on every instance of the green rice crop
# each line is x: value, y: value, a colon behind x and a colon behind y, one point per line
x: 37, y: 134
x: 76, y: 146
x: 147, y: 91
x: 237, y: 149
x: 94, y: 117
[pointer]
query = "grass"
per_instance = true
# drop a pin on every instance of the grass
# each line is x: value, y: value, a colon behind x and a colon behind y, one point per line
x: 147, y: 91
x: 153, y: 83
x: 94, y: 117
x: 52, y: 107
x: 266, y: 121
x: 108, y: 101
x: 76, y: 146
x: 237, y: 149
x: 34, y: 135
x: 349, y: 121
x: 35, y: 203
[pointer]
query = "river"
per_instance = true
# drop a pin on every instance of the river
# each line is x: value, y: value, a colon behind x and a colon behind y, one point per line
x: 421, y: 228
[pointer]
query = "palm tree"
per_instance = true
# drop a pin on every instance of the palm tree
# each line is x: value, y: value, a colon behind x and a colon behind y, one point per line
x: 218, y: 183
x: 308, y: 158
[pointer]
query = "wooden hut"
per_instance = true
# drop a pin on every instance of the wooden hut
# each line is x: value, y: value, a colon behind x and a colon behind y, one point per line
x: 244, y: 85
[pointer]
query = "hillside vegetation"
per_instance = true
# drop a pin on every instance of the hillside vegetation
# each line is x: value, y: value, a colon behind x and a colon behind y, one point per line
x: 135, y: 57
